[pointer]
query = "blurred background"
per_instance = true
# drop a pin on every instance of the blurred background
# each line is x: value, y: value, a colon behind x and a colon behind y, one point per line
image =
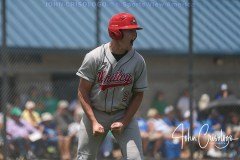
x: 43, y: 43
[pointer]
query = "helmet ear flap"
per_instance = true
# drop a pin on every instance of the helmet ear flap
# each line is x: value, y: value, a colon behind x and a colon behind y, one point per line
x: 115, y: 34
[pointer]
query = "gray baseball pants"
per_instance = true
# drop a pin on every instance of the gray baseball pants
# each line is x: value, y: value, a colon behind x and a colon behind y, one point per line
x: 129, y: 140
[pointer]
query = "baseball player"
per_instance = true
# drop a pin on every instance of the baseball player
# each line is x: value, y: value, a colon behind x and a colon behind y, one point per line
x: 113, y: 78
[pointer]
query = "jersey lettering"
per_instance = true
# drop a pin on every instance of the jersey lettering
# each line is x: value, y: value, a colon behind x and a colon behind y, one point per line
x: 113, y: 80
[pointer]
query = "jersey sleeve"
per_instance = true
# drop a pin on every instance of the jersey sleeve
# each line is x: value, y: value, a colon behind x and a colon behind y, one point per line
x: 141, y: 82
x: 87, y: 70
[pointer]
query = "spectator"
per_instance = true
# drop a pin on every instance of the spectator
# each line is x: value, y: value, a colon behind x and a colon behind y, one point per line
x: 159, y: 102
x: 1, y: 122
x: 1, y: 137
x: 107, y: 145
x: 20, y: 132
x: 172, y: 146
x: 49, y: 101
x: 1, y: 127
x: 233, y: 129
x: 30, y: 115
x: 170, y: 117
x: 143, y: 127
x: 156, y: 130
x: 63, y: 119
x: 183, y: 104
x: 49, y: 130
x: 186, y: 124
x: 223, y: 93
x: 75, y: 108
x: 203, y: 102
x: 215, y: 121
x: 32, y: 95
x: 196, y: 132
x: 74, y: 127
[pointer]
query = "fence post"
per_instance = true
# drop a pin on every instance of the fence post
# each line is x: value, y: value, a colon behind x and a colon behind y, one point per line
x: 5, y: 87
x: 190, y: 70
x: 98, y: 21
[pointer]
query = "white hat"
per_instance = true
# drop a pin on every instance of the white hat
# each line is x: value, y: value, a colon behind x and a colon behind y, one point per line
x: 224, y: 87
x: 63, y: 104
x: 168, y: 109
x: 204, y: 101
x: 47, y: 116
x: 30, y: 105
x: 152, y: 112
x: 186, y: 114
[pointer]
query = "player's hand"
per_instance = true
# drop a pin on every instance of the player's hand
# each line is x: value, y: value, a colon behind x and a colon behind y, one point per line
x: 97, y: 129
x: 117, y: 127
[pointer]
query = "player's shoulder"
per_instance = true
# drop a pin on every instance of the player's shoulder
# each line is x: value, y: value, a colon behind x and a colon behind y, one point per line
x: 138, y: 56
x: 95, y: 53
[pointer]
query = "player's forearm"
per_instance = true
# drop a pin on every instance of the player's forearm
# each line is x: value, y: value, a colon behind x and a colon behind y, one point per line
x: 132, y: 108
x: 83, y: 97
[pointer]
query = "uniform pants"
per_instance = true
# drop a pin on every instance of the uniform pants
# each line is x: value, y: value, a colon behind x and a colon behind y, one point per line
x: 129, y: 139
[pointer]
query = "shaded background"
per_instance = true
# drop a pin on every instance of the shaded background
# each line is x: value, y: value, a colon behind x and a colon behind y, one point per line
x: 45, y: 42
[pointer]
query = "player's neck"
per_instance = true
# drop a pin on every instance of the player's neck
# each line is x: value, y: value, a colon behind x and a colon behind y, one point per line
x: 116, y: 48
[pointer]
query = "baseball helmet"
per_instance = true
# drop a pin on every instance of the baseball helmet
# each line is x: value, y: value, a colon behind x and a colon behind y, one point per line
x: 121, y: 21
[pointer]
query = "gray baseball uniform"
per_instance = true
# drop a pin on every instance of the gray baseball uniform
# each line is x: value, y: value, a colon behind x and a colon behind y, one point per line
x: 113, y: 85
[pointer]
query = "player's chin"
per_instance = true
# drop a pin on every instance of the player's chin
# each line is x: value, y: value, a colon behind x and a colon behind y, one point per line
x: 130, y: 44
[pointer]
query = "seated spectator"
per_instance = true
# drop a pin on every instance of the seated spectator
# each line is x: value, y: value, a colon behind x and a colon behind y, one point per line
x: 186, y: 124
x: 30, y: 115
x: 1, y: 130
x: 31, y: 95
x: 233, y: 129
x: 49, y: 101
x: 1, y: 136
x: 21, y: 134
x: 74, y: 128
x: 170, y: 117
x: 107, y: 145
x: 49, y: 130
x: 172, y: 146
x: 76, y: 111
x: 223, y: 93
x: 196, y: 132
x: 203, y: 102
x: 156, y: 130
x: 63, y: 119
x: 143, y: 127
x: 75, y: 108
x: 183, y: 104
x: 159, y: 102
x: 215, y: 122
x: 1, y: 122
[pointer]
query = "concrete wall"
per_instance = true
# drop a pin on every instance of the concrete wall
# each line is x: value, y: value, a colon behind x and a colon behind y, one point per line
x: 169, y: 74
x: 166, y: 73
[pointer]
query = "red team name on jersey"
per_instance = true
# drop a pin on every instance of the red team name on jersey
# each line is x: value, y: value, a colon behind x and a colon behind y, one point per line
x: 113, y: 80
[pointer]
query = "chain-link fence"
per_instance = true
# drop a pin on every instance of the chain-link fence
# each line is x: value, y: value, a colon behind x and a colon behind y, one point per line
x: 44, y: 43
